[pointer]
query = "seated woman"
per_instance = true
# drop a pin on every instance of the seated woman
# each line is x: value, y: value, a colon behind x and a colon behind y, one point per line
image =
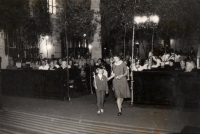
x: 194, y: 65
x: 71, y: 64
x: 170, y: 67
x: 158, y: 62
x: 165, y: 58
x: 59, y: 62
x: 189, y: 66
x: 35, y: 65
x: 182, y: 66
x: 51, y: 65
x: 11, y: 65
x: 64, y: 65
x: 136, y: 66
x: 56, y: 66
x: 146, y: 63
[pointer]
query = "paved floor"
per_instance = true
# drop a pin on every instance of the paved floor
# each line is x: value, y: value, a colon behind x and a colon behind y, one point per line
x: 139, y: 118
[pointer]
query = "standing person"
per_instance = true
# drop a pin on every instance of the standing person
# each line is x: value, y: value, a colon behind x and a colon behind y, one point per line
x: 128, y: 74
x: 101, y: 86
x: 120, y: 84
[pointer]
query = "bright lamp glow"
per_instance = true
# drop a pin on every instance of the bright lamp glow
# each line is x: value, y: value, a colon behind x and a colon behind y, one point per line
x: 144, y: 19
x: 49, y: 46
x: 138, y: 19
x: 46, y: 37
x: 84, y: 35
x: 154, y: 18
x: 90, y: 46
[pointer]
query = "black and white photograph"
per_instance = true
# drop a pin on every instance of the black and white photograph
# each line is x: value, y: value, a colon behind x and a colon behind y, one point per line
x: 99, y: 66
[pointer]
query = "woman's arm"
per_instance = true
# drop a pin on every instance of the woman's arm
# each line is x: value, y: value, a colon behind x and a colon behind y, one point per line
x: 112, y: 76
x: 123, y: 75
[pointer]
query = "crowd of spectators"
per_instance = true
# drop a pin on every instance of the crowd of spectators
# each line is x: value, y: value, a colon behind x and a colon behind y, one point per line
x: 169, y: 61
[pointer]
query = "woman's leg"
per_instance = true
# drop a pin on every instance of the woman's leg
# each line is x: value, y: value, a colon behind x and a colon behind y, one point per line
x: 122, y: 99
x: 119, y: 104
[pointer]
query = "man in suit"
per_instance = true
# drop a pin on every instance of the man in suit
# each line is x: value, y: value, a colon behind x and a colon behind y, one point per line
x: 192, y: 52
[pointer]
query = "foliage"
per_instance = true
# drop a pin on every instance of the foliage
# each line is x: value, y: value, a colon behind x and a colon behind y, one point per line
x: 13, y: 13
x: 178, y: 19
x: 77, y: 17
x: 37, y: 25
x: 21, y: 29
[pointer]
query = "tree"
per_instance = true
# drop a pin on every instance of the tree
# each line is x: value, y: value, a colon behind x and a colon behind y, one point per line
x: 22, y: 30
x: 177, y: 19
x: 76, y: 17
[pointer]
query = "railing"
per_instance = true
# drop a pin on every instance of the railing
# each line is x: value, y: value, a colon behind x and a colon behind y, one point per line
x: 44, y: 84
x: 169, y: 88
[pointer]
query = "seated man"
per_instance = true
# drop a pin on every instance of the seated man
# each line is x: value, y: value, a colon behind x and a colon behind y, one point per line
x: 44, y: 66
x: 11, y: 65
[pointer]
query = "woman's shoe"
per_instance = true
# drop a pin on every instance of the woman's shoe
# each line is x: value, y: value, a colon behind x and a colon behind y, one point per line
x: 120, y: 113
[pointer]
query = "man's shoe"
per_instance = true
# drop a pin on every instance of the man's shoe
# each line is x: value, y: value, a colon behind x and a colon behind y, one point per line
x: 102, y: 111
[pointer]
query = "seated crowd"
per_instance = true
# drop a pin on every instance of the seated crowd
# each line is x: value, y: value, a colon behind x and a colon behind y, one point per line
x: 169, y: 61
x: 166, y: 62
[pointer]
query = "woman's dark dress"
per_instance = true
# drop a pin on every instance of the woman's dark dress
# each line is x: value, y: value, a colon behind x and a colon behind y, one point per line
x: 120, y: 86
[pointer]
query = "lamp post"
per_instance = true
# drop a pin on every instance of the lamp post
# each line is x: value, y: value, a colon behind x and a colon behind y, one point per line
x: 90, y: 51
x: 124, y: 40
x: 67, y: 47
x: 85, y: 40
x: 137, y: 21
x: 46, y: 38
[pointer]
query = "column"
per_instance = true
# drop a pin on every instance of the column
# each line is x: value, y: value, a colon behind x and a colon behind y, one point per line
x: 96, y: 44
x: 4, y: 61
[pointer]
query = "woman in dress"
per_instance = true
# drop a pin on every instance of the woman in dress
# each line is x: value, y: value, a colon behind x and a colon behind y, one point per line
x: 120, y: 85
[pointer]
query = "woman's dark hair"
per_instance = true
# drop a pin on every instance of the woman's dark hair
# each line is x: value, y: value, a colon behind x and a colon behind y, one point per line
x: 71, y: 61
x: 100, y: 59
x: 117, y: 55
x: 136, y: 60
x: 49, y: 61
